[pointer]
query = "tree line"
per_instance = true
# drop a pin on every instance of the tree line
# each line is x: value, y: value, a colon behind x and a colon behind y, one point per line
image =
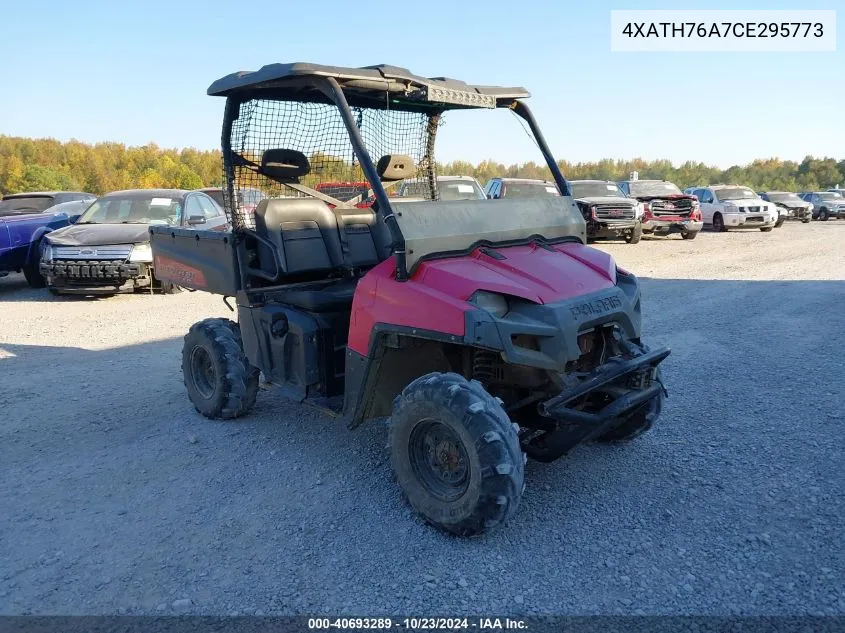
x: 47, y: 164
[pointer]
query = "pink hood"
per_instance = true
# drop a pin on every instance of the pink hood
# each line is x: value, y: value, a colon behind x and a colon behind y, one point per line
x: 529, y: 272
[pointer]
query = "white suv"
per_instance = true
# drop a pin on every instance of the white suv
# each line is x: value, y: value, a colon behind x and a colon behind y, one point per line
x: 726, y: 207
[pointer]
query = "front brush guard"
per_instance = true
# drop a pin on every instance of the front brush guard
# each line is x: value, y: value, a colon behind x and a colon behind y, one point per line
x: 580, y: 426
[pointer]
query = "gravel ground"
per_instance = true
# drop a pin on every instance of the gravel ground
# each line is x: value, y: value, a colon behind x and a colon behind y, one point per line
x: 117, y: 497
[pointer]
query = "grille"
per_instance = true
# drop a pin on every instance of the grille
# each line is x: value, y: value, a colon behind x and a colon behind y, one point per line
x: 108, y: 252
x: 674, y: 208
x: 614, y: 212
x: 95, y: 270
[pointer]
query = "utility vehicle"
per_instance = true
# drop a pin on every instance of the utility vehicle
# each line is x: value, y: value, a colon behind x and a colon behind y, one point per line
x: 486, y: 330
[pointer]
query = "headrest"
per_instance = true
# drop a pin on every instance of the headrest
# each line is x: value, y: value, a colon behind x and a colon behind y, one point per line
x: 395, y: 167
x: 284, y: 165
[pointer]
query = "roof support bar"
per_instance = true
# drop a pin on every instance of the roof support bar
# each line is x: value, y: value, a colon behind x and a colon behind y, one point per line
x: 385, y: 211
x: 524, y: 111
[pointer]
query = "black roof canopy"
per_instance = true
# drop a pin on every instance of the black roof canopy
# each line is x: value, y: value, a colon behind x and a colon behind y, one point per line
x: 368, y: 86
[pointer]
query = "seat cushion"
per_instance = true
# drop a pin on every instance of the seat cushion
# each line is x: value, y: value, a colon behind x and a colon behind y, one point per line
x: 326, y: 298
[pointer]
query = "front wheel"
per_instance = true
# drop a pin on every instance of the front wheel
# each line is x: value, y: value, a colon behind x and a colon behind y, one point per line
x: 780, y: 222
x: 719, y: 223
x: 805, y: 221
x: 689, y: 235
x: 220, y: 381
x: 639, y: 422
x: 633, y: 236
x: 766, y: 229
x: 456, y: 454
x: 823, y: 215
x: 31, y: 273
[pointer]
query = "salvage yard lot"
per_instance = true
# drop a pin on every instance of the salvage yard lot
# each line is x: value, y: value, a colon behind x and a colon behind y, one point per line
x: 117, y: 497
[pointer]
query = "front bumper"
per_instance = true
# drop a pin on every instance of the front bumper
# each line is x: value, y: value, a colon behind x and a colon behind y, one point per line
x: 749, y: 220
x: 96, y: 277
x: 675, y: 225
x: 797, y: 214
x: 637, y: 385
x: 610, y: 229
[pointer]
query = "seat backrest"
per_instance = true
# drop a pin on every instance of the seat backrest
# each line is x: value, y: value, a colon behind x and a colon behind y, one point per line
x: 369, y: 240
x: 304, y: 232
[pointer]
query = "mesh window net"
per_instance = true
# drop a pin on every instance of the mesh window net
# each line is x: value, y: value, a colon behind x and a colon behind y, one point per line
x: 317, y: 131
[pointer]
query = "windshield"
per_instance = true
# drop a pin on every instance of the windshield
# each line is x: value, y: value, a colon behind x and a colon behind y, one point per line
x: 595, y: 190
x: 734, y: 193
x: 529, y: 189
x: 28, y: 204
x: 448, y: 189
x: 784, y: 197
x: 215, y: 194
x: 134, y: 210
x: 658, y: 188
x: 831, y: 196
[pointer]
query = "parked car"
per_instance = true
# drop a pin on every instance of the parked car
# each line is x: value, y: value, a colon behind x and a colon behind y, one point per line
x: 789, y: 205
x: 609, y: 213
x: 21, y: 232
x: 249, y: 197
x: 519, y: 188
x: 38, y: 201
x: 826, y: 204
x: 346, y: 191
x: 735, y: 207
x: 665, y: 209
x: 449, y: 188
x: 108, y: 249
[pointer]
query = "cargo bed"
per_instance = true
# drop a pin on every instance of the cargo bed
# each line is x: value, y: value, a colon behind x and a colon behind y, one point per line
x: 198, y: 260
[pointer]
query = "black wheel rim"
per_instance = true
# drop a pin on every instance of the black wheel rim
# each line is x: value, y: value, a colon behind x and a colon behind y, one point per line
x: 203, y: 374
x: 439, y: 460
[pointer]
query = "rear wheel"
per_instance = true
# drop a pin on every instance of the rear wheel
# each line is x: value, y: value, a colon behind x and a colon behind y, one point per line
x: 719, y: 223
x: 823, y: 215
x: 456, y: 454
x: 689, y: 235
x: 220, y: 381
x: 633, y: 236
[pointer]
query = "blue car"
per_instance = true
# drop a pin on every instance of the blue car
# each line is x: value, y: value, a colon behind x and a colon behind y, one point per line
x: 25, y: 218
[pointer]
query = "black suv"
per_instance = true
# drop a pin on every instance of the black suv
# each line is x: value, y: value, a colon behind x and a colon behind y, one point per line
x: 519, y: 188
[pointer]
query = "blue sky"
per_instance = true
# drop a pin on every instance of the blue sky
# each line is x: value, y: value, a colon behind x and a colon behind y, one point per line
x: 137, y: 72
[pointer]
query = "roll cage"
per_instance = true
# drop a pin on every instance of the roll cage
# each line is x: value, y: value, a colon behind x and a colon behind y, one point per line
x: 265, y: 106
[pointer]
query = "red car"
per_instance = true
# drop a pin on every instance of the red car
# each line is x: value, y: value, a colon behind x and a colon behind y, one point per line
x: 666, y: 209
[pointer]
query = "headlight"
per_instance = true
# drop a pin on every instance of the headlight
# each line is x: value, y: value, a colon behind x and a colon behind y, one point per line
x: 810, y: 207
x: 141, y: 253
x: 730, y: 208
x: 46, y: 251
x: 495, y: 304
x: 640, y: 210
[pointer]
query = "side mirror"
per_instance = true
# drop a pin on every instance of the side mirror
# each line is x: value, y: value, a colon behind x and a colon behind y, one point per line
x: 196, y: 219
